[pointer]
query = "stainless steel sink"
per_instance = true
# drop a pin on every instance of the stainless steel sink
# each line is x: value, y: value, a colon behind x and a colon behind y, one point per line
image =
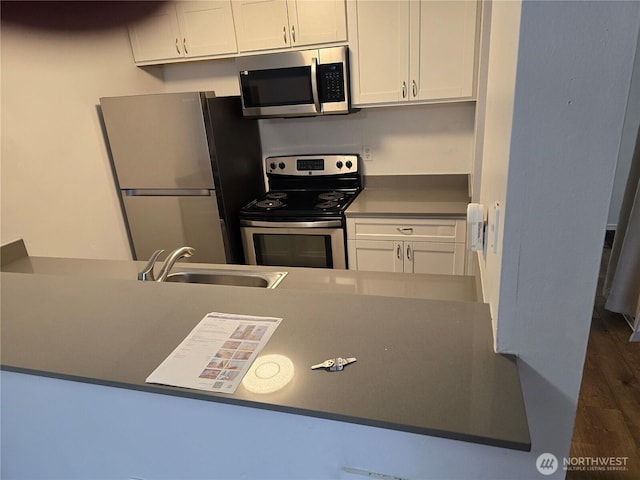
x: 237, y: 278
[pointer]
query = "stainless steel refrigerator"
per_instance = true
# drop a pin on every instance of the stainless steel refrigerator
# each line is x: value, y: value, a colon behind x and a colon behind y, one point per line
x: 184, y: 163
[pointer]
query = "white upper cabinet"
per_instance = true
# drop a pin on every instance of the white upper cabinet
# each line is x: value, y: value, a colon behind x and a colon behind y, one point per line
x: 207, y: 28
x: 183, y: 30
x: 278, y: 24
x: 412, y: 50
x: 157, y: 37
x: 317, y: 21
x: 261, y: 24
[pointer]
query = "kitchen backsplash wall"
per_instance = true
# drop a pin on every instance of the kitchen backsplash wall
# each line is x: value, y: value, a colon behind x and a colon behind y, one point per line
x: 433, y: 139
x: 421, y: 139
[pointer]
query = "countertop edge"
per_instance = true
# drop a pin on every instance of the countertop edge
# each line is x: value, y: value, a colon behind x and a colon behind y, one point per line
x: 193, y: 394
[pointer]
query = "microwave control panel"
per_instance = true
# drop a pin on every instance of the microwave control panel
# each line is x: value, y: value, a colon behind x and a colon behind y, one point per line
x: 332, y: 82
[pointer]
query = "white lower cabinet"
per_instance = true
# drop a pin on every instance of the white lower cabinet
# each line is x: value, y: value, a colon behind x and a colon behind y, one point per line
x: 434, y: 246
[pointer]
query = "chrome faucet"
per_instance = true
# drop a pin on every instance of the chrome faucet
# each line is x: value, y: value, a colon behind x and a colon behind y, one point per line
x: 172, y: 258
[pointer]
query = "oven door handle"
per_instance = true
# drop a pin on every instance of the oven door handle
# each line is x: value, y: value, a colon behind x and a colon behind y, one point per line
x: 313, y: 224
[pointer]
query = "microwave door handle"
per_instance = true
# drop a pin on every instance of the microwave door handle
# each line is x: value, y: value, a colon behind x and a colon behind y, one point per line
x: 314, y: 83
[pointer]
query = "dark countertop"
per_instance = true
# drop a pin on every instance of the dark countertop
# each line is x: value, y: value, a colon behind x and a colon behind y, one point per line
x: 412, y: 196
x: 424, y: 366
x: 435, y: 287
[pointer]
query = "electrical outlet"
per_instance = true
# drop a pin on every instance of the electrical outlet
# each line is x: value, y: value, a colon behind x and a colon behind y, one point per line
x: 366, y: 153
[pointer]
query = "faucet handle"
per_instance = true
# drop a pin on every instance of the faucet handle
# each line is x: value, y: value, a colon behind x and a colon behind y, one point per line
x: 147, y: 273
x: 171, y: 259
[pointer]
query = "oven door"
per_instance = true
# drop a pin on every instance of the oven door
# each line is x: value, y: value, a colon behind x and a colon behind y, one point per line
x: 294, y: 244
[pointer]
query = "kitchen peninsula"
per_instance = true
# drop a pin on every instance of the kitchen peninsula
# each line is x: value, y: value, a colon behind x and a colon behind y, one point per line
x: 424, y: 366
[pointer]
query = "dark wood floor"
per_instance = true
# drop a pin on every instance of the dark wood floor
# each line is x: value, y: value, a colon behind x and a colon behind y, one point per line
x: 608, y: 417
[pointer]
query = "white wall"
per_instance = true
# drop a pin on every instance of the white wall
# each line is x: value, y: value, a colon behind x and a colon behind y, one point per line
x: 428, y: 139
x: 627, y: 143
x: 57, y: 187
x: 552, y: 170
x: 497, y: 101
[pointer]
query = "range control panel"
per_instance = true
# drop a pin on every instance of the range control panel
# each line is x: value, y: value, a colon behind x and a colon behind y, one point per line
x: 310, y: 165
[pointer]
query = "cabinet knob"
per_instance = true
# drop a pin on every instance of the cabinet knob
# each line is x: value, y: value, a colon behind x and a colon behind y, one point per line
x: 414, y: 88
x: 178, y: 47
x: 404, y: 89
x: 405, y: 230
x: 409, y: 251
x: 284, y: 34
x: 184, y: 46
x: 293, y: 34
x: 398, y: 251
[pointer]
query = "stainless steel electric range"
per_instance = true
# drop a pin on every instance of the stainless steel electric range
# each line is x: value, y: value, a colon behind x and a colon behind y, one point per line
x: 300, y: 221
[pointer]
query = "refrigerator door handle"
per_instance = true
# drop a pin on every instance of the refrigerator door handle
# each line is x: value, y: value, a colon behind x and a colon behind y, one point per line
x: 167, y: 192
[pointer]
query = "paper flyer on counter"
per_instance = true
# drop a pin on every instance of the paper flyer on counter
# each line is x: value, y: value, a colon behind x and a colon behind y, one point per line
x: 217, y: 353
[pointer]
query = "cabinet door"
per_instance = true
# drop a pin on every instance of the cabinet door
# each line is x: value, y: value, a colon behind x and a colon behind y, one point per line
x: 206, y: 27
x: 317, y: 21
x: 157, y: 37
x: 261, y: 24
x: 435, y: 258
x: 443, y: 37
x: 380, y: 60
x: 379, y: 256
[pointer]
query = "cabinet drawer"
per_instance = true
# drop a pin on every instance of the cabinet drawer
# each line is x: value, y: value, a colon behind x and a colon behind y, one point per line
x: 436, y: 230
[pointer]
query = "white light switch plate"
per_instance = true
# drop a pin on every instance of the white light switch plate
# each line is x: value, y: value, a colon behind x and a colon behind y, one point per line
x: 494, y: 226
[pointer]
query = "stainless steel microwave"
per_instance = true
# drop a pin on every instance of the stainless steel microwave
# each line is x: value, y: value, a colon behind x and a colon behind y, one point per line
x: 295, y: 84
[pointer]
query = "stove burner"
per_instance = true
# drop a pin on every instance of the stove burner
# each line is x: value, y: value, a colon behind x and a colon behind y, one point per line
x: 329, y: 204
x: 276, y: 195
x: 269, y: 204
x: 335, y: 196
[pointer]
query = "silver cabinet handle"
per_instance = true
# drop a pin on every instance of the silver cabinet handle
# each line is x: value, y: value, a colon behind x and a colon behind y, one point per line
x: 284, y: 34
x: 398, y: 252
x: 178, y: 47
x: 293, y: 34
x: 184, y: 46
x: 405, y: 230
x: 404, y: 89
x: 409, y: 251
x: 414, y: 88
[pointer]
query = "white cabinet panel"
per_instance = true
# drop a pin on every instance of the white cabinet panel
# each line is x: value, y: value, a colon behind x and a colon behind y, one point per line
x: 425, y: 245
x: 431, y: 229
x: 317, y: 21
x: 261, y: 24
x: 378, y: 256
x: 277, y: 24
x: 446, y: 45
x: 380, y: 45
x: 184, y: 30
x: 157, y: 37
x: 207, y: 28
x: 412, y: 50
x: 436, y: 258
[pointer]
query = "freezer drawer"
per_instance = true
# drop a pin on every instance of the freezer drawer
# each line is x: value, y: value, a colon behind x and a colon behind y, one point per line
x: 169, y: 222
